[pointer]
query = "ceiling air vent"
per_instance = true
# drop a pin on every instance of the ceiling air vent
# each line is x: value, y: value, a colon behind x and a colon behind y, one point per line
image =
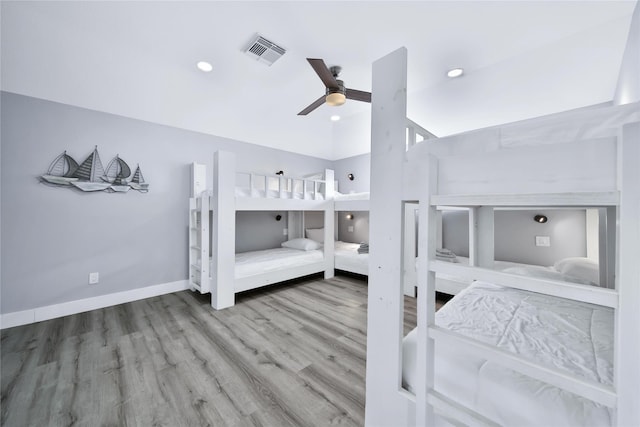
x: 264, y: 51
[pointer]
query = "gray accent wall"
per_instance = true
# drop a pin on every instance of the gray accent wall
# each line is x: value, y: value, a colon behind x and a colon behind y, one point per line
x: 360, y: 167
x: 360, y: 224
x: 52, y: 237
x: 258, y: 230
x: 516, y: 231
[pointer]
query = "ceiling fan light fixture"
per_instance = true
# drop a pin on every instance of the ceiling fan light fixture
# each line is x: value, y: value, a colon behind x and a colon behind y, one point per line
x: 335, y: 99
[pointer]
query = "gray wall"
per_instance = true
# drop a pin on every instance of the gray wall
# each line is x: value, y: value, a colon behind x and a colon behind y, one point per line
x: 259, y: 230
x: 360, y: 223
x: 360, y: 167
x: 515, y: 233
x: 52, y: 238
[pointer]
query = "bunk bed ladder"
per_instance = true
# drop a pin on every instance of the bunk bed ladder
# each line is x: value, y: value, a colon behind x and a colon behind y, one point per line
x: 199, y: 275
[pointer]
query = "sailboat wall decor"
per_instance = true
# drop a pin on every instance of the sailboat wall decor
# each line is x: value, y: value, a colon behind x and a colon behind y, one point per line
x: 90, y: 175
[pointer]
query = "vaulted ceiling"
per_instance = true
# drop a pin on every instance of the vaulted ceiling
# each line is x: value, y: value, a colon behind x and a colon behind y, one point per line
x: 137, y: 59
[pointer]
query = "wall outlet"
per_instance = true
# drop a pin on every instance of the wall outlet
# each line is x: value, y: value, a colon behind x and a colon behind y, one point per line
x: 543, y: 241
x: 94, y: 278
x: 285, y: 232
x: 350, y: 228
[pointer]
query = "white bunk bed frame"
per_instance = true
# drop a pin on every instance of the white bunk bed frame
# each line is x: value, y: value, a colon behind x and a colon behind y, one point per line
x: 223, y: 203
x: 606, y: 175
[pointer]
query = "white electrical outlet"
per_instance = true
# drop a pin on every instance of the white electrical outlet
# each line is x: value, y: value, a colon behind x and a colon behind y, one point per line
x: 285, y: 232
x: 543, y: 241
x: 350, y: 228
x: 94, y: 278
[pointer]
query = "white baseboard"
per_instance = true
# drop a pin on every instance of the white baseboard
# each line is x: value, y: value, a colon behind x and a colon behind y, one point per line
x: 17, y: 318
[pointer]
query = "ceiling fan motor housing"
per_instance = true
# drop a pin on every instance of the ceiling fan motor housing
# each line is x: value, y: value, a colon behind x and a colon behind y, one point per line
x: 336, y: 95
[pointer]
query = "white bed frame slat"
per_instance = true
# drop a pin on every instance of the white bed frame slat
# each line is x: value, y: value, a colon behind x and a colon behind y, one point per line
x: 582, y: 199
x: 573, y: 291
x: 461, y: 415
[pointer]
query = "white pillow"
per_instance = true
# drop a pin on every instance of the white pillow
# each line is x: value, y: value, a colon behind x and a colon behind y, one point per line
x: 301, y: 244
x: 316, y: 234
x: 583, y: 268
x: 546, y: 273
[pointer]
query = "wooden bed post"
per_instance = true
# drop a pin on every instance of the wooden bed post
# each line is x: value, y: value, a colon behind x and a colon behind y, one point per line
x: 386, y: 405
x: 223, y: 237
x: 329, y: 224
x: 627, y: 357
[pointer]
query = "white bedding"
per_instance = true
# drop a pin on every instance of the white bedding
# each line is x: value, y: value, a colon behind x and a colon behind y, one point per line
x: 351, y: 196
x: 347, y: 258
x: 256, y: 262
x: 569, y: 335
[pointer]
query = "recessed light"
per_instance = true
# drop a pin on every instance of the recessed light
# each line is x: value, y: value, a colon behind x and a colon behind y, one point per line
x: 204, y: 66
x: 455, y: 72
x: 335, y: 118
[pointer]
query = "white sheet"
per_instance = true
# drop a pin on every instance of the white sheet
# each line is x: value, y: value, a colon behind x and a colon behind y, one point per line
x: 569, y: 335
x: 256, y: 262
x: 347, y: 258
x: 351, y: 196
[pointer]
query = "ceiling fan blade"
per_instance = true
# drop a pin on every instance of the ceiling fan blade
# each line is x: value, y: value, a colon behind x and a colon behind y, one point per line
x: 323, y: 72
x: 318, y: 102
x: 358, y: 95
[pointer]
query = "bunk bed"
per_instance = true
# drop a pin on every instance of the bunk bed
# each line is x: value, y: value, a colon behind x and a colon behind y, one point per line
x: 215, y: 267
x: 520, y: 345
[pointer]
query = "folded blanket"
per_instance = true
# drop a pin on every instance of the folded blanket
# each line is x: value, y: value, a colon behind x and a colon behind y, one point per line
x: 446, y: 255
x: 364, y: 248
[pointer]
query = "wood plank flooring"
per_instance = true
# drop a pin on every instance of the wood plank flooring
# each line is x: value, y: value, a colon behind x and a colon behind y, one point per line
x: 286, y: 355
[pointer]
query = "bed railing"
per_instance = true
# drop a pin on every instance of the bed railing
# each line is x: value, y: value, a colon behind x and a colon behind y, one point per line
x: 416, y: 134
x: 277, y: 186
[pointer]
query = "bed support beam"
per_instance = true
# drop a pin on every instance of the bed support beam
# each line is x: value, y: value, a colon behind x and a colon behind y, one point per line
x: 223, y: 236
x: 329, y: 224
x: 385, y: 404
x: 627, y: 339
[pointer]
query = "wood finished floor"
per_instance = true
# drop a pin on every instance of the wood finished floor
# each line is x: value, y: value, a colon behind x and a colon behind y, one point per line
x: 286, y: 355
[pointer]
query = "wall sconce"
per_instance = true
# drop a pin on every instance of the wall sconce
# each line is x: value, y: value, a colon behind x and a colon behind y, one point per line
x: 280, y: 173
x: 351, y: 177
x: 349, y: 216
x: 278, y: 217
x: 540, y: 218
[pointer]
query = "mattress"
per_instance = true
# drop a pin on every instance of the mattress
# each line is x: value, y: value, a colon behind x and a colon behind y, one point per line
x: 347, y: 258
x: 568, y: 335
x: 257, y: 262
x: 351, y: 196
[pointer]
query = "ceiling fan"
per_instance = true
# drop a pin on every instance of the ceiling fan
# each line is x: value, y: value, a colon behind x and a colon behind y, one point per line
x: 336, y: 93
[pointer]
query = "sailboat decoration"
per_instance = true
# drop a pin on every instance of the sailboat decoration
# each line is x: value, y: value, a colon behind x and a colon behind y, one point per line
x: 61, y: 170
x: 137, y: 182
x: 90, y: 175
x: 116, y: 174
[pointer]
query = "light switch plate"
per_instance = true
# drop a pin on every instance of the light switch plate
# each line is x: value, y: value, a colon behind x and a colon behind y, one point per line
x: 543, y: 241
x: 350, y: 228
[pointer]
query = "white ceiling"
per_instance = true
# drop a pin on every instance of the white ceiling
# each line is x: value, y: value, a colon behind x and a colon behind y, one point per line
x: 137, y: 59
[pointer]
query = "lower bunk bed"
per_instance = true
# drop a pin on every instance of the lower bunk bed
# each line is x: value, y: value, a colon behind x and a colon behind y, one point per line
x: 569, y: 336
x: 297, y: 258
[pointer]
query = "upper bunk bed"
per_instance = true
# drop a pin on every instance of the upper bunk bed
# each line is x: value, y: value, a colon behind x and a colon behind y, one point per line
x: 508, y: 364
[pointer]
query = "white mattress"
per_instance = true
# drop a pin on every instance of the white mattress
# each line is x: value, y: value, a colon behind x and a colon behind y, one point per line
x: 568, y: 335
x: 347, y: 258
x: 257, y: 262
x: 351, y: 196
